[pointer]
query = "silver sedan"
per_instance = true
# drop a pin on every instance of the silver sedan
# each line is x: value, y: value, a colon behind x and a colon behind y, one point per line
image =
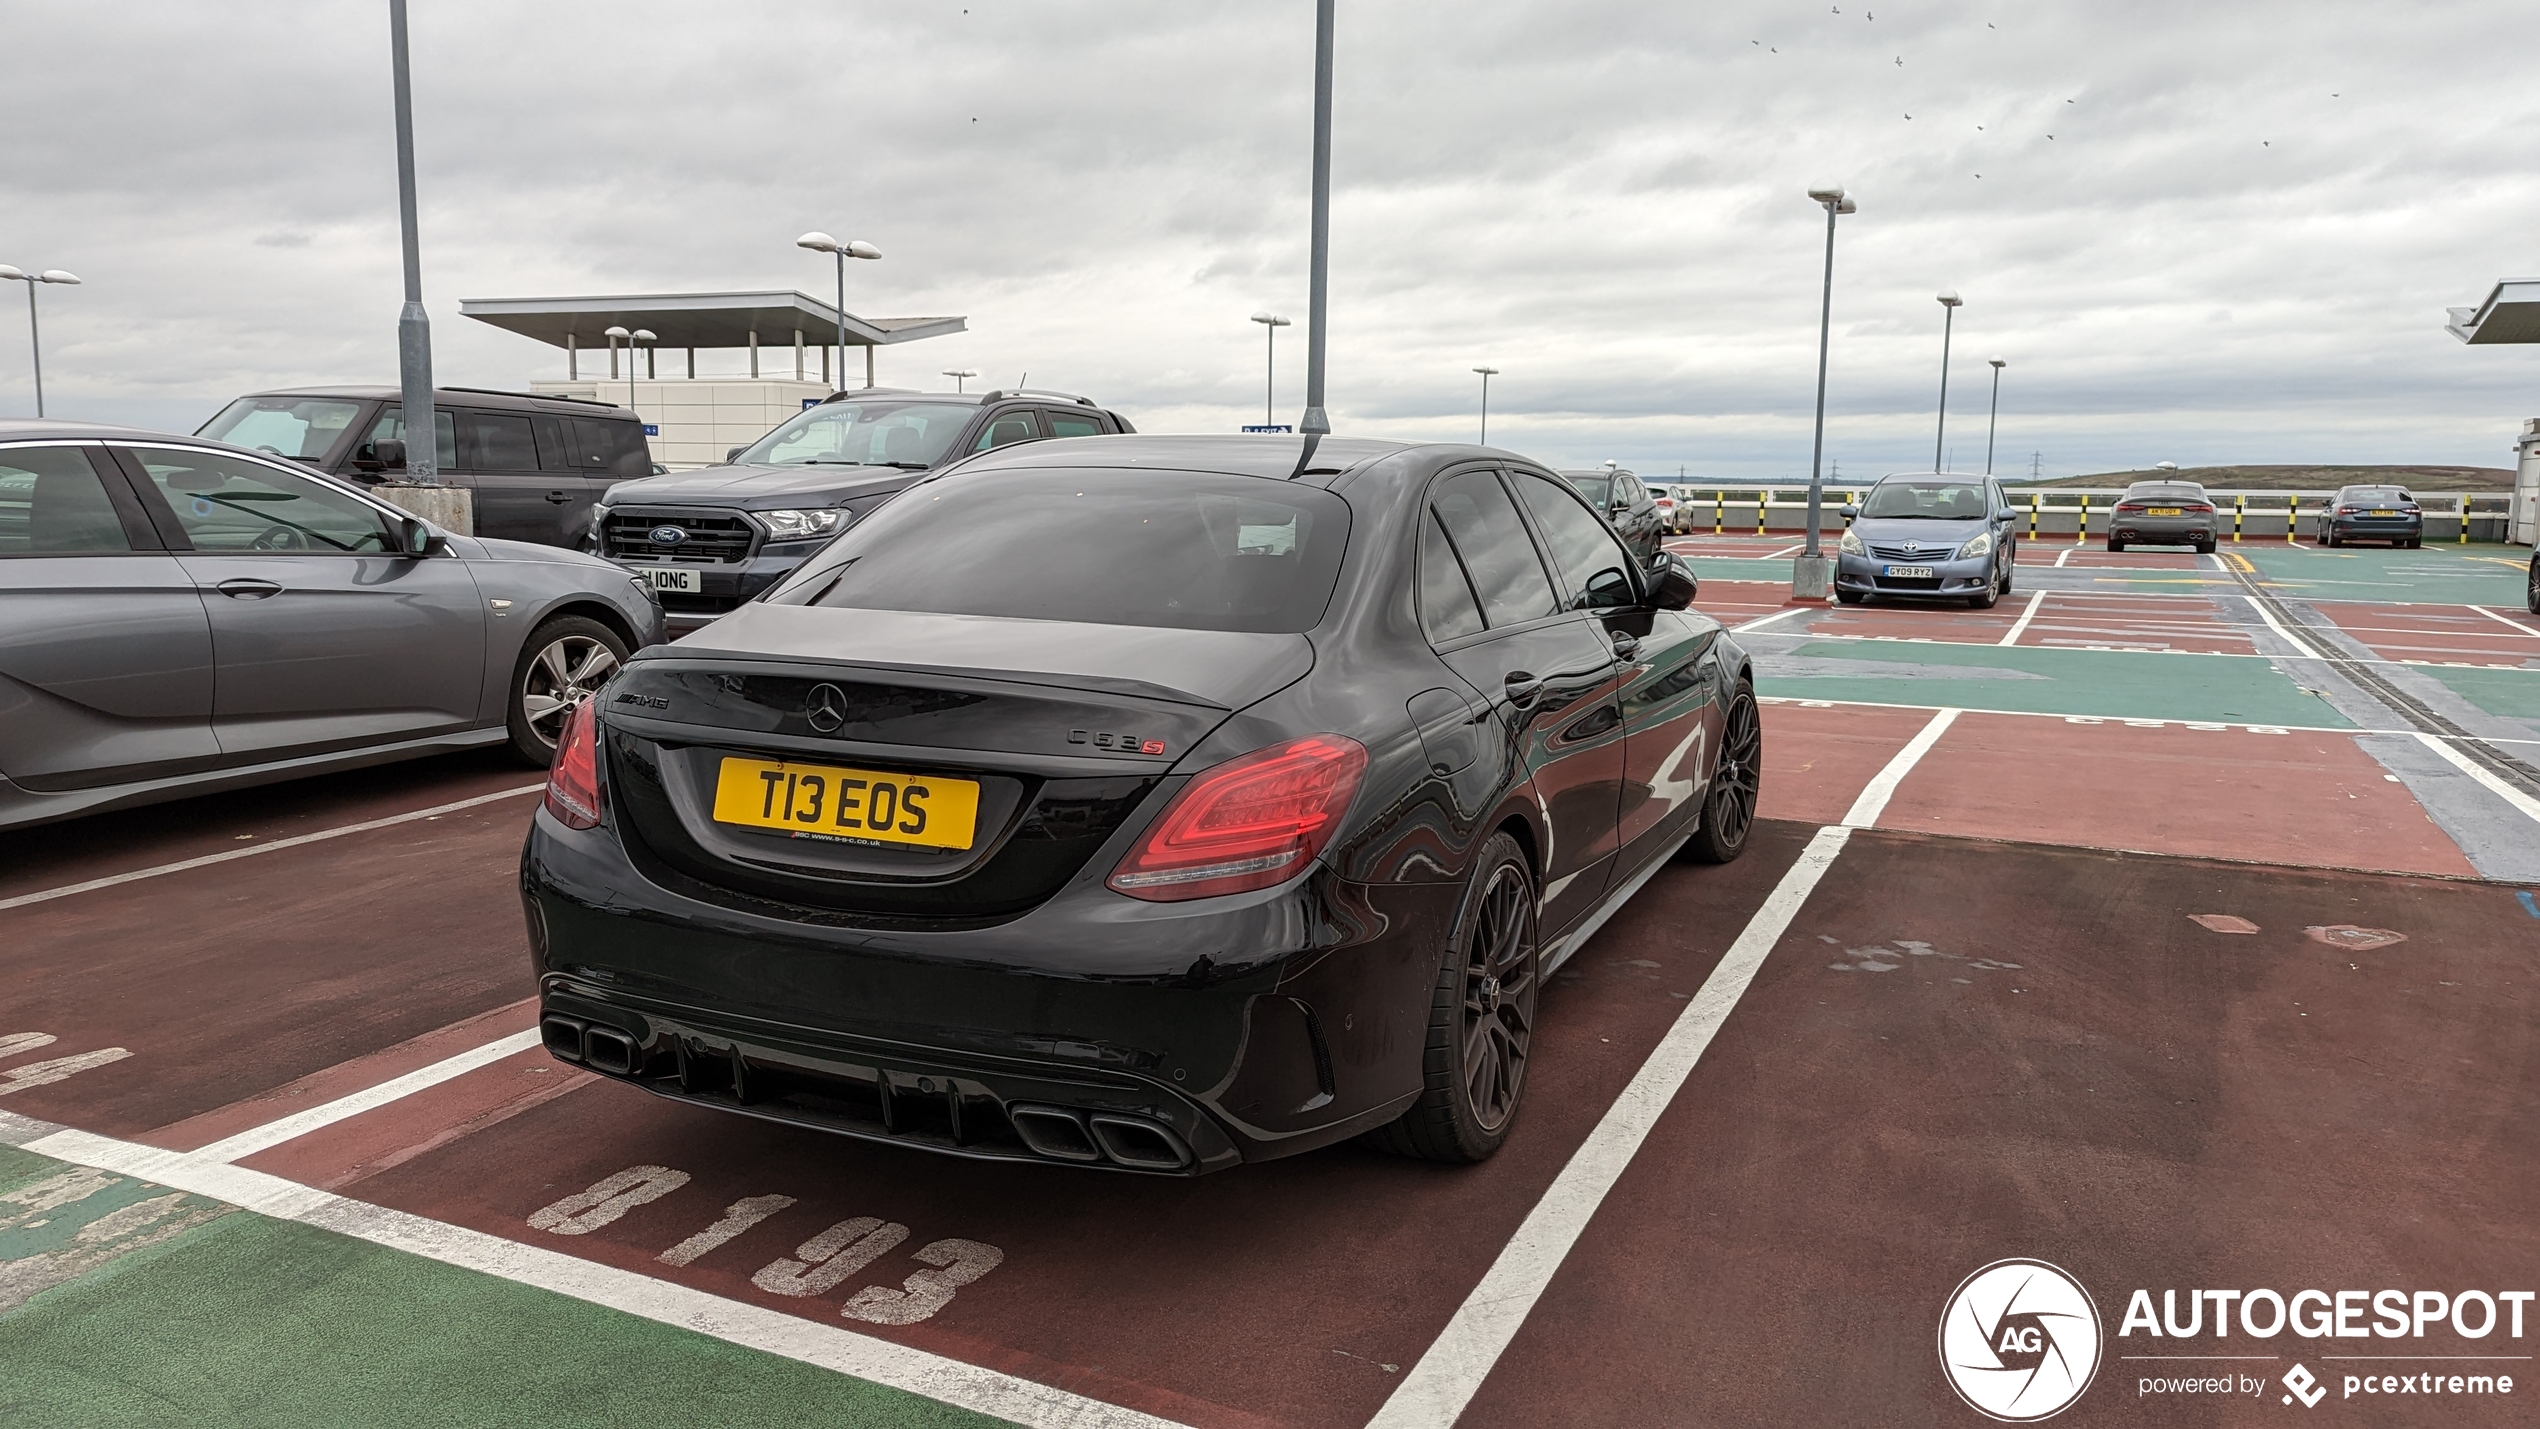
x: 178, y: 616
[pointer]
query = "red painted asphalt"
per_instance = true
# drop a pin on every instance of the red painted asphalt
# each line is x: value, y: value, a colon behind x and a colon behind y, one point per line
x: 1273, y: 1293
x: 2442, y: 634
x: 2113, y: 1089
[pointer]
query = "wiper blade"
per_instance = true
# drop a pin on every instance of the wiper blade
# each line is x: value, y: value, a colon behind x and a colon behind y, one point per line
x: 903, y: 465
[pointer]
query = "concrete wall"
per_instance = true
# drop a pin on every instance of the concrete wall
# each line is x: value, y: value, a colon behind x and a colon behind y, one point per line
x: 2262, y: 513
x: 700, y: 419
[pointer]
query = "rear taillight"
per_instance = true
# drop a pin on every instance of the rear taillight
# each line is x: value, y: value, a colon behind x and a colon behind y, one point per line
x: 2348, y: 510
x: 573, y: 782
x: 2200, y: 510
x: 1249, y: 823
x: 2128, y: 508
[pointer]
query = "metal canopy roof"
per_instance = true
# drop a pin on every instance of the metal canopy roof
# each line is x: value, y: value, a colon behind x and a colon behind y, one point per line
x: 2510, y: 314
x: 697, y: 320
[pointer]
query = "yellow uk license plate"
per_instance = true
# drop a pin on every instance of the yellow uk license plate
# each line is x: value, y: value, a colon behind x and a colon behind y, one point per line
x: 2385, y: 513
x: 2166, y: 511
x: 857, y: 805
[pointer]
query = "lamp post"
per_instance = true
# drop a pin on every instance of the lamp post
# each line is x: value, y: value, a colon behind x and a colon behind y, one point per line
x: 1487, y: 374
x: 1813, y: 576
x: 1992, y: 413
x: 1949, y: 306
x: 1270, y: 324
x: 820, y: 242
x: 960, y: 376
x: 34, y: 333
x: 616, y: 335
x: 1315, y: 425
x: 414, y: 328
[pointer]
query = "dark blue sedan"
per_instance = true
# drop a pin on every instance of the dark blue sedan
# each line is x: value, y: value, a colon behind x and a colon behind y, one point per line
x: 2373, y: 513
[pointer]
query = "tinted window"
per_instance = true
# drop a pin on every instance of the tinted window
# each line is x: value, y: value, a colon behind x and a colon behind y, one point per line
x: 1206, y: 552
x: 613, y: 448
x: 1497, y: 552
x: 1933, y: 500
x: 1591, y: 484
x: 1005, y: 430
x: 1447, y: 609
x: 285, y: 426
x: 1073, y: 424
x: 2382, y: 495
x: 390, y: 426
x: 2165, y: 491
x: 1594, y: 565
x: 228, y: 503
x: 52, y: 504
x: 504, y: 443
x: 552, y: 455
x: 866, y: 433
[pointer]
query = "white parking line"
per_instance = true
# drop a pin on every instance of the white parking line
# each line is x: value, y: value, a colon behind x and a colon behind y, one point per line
x: 2507, y: 619
x: 1439, y: 1387
x: 1762, y: 620
x: 273, y: 1133
x: 775, y: 1332
x: 2522, y: 802
x: 294, y: 841
x: 2067, y: 554
x: 2020, y: 627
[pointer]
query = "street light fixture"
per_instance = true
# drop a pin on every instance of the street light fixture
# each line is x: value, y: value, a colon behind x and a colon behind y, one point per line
x: 35, y: 335
x: 820, y: 242
x: 1994, y: 412
x: 1813, y: 576
x: 642, y: 336
x: 1487, y: 374
x: 616, y: 335
x: 1270, y: 324
x: 960, y: 377
x: 1949, y: 305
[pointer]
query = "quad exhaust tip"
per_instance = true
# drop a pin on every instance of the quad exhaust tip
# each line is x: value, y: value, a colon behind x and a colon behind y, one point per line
x: 563, y: 1036
x: 602, y: 1049
x: 1064, y: 1134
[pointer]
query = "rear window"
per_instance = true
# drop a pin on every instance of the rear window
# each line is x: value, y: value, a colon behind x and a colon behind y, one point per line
x: 1180, y: 550
x: 1592, y: 485
x: 2165, y: 491
x: 2383, y: 495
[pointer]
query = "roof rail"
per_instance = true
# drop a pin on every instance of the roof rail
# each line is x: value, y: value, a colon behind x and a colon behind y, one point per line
x: 1000, y: 393
x: 533, y: 396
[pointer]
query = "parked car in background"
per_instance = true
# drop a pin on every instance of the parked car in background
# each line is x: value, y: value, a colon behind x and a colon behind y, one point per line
x: 179, y: 617
x: 1627, y: 505
x: 2163, y: 513
x: 1928, y: 534
x: 1664, y: 498
x: 710, y: 539
x: 2373, y: 513
x: 1141, y: 803
x: 534, y: 465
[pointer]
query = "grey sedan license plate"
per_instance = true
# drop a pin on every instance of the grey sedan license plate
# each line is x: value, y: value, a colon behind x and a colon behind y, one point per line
x: 1911, y: 573
x: 669, y: 578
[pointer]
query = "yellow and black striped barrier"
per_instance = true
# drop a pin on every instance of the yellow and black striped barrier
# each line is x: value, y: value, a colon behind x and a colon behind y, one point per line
x: 2033, y: 499
x: 1719, y: 512
x: 2239, y: 508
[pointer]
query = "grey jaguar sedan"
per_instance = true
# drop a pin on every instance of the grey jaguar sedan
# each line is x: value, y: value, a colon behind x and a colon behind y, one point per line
x: 178, y: 616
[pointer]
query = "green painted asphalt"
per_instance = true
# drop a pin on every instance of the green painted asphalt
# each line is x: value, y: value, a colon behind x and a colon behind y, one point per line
x: 2437, y: 574
x: 1738, y: 568
x: 2514, y: 694
x: 2115, y: 683
x: 246, y: 1320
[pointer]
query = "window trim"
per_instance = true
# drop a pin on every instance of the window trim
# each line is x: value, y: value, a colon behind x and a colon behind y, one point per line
x: 1543, y: 545
x: 140, y: 533
x: 1525, y: 520
x: 1419, y: 604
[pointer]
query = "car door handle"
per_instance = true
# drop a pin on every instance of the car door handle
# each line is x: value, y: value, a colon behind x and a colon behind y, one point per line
x: 1521, y: 687
x: 559, y: 497
x: 248, y: 588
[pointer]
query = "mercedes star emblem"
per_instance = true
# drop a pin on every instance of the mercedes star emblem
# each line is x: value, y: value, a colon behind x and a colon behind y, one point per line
x: 826, y: 708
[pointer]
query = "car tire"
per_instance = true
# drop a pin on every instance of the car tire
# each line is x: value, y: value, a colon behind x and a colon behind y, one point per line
x: 2205, y: 548
x: 2531, y: 592
x: 1850, y: 597
x: 1986, y: 600
x: 562, y: 663
x: 1472, y: 1012
x: 2115, y: 545
x: 1737, y: 783
x: 2328, y: 540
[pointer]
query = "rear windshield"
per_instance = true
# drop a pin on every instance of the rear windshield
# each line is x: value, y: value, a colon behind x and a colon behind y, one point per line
x: 2165, y: 491
x: 1932, y: 500
x: 2385, y: 495
x: 1592, y: 485
x: 1181, y: 550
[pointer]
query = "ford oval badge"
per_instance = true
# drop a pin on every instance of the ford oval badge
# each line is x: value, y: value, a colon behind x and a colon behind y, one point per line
x: 666, y: 535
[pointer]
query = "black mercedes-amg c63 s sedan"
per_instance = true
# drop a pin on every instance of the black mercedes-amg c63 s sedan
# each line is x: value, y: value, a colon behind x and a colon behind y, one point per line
x: 1140, y: 802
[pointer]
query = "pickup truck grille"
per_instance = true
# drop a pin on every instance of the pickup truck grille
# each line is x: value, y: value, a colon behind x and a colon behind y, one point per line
x: 712, y: 539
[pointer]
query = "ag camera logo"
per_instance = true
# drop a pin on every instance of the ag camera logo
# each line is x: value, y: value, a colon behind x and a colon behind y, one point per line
x: 2019, y: 1341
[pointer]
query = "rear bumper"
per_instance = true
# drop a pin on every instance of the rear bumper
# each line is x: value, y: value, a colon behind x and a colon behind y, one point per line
x: 2387, y: 528
x: 1196, y: 1036
x: 2164, y: 530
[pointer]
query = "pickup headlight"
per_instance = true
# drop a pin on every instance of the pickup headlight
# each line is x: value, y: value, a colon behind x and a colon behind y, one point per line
x: 1851, y: 545
x: 1980, y: 545
x: 801, y: 525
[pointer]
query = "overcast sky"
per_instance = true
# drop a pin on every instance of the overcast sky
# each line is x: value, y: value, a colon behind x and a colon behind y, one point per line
x: 2196, y: 232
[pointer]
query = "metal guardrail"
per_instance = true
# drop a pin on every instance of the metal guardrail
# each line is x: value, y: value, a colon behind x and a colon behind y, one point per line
x: 2457, y: 516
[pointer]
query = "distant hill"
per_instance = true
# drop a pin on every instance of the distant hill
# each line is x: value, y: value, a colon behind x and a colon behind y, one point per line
x: 2305, y: 478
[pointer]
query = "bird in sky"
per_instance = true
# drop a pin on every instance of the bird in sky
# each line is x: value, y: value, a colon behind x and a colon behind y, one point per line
x: 1900, y: 64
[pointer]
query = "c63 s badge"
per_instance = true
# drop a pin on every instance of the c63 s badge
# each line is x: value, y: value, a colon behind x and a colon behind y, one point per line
x: 1116, y: 743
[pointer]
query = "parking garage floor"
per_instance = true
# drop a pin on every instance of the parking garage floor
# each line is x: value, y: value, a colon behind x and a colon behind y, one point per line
x: 2172, y: 921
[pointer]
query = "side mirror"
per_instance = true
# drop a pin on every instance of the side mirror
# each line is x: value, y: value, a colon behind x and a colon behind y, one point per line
x: 416, y: 539
x: 389, y: 453
x: 733, y: 457
x: 1850, y: 511
x: 1671, y: 583
x: 2006, y: 514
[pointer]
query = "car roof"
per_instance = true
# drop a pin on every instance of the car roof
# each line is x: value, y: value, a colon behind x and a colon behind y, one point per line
x: 19, y: 429
x: 490, y: 398
x: 1934, y: 476
x: 1247, y: 455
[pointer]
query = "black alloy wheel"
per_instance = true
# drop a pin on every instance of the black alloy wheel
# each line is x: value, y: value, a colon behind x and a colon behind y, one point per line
x: 2531, y: 593
x: 1481, y: 1018
x: 1737, y: 782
